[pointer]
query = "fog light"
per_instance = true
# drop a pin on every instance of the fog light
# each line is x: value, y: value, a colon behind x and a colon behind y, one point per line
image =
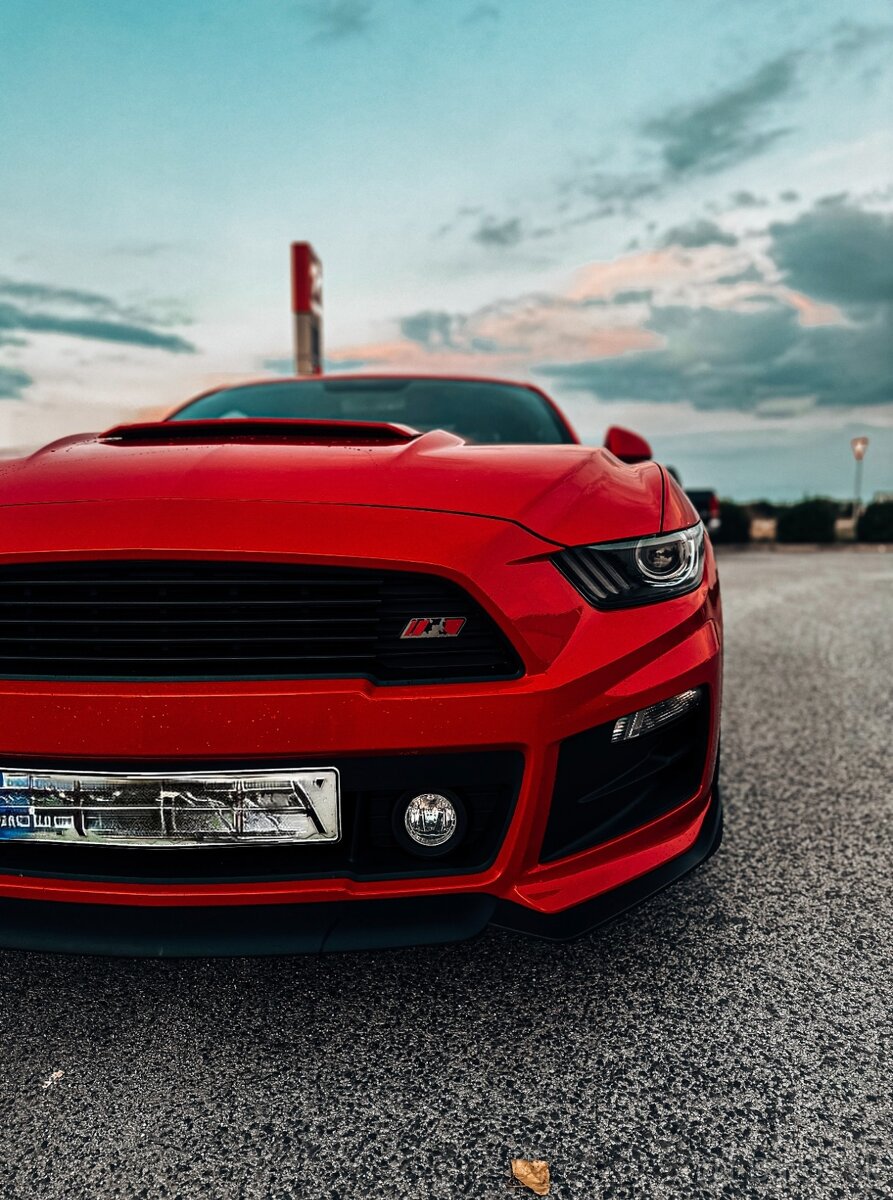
x: 646, y: 720
x: 430, y: 819
x: 430, y: 823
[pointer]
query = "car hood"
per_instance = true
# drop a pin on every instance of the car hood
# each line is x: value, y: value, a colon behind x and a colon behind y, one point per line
x: 566, y: 493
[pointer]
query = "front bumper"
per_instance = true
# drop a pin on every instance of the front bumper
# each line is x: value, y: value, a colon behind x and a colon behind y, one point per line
x: 583, y: 669
x: 128, y: 930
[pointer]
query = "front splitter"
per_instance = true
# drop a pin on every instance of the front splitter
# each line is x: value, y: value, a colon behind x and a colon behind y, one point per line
x: 230, y: 931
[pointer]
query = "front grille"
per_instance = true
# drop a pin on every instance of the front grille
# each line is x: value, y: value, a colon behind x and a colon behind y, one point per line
x: 123, y: 619
x: 486, y: 781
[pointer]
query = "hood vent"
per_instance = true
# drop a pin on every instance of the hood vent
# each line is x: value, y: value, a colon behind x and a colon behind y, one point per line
x: 264, y: 429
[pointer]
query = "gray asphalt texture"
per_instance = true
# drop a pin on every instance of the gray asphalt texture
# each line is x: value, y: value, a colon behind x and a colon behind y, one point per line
x: 732, y: 1038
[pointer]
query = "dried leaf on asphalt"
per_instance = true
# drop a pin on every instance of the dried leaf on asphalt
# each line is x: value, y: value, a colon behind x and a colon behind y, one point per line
x: 533, y: 1173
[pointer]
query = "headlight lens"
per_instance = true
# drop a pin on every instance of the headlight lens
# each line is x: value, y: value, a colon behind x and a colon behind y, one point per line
x: 623, y: 574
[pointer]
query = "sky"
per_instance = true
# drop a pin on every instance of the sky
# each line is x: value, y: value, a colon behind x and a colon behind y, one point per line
x: 675, y: 216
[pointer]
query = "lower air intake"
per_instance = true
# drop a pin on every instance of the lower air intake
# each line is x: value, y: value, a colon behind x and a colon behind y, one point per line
x: 606, y: 788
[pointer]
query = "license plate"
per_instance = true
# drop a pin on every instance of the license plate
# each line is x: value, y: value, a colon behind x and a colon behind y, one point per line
x: 214, y: 808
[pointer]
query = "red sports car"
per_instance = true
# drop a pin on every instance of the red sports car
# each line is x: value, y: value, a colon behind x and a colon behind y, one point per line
x: 347, y: 662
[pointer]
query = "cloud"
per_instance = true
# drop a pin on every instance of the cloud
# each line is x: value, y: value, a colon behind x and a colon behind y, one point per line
x: 839, y: 253
x: 492, y: 232
x: 648, y: 269
x: 13, y: 383
x: 699, y: 232
x: 613, y: 189
x: 743, y: 360
x: 726, y: 129
x: 30, y: 308
x: 37, y: 295
x: 143, y: 249
x: 504, y: 335
x: 337, y: 20
x: 687, y: 141
x: 92, y: 328
x: 850, y: 39
x: 748, y: 274
x: 745, y: 199
x: 822, y: 335
x: 599, y: 313
x: 430, y: 328
x: 696, y: 139
x: 482, y: 14
x: 796, y: 319
x: 461, y: 215
x: 611, y: 195
x: 633, y: 296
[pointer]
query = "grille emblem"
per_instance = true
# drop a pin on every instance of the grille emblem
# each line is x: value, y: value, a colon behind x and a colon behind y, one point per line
x: 433, y: 627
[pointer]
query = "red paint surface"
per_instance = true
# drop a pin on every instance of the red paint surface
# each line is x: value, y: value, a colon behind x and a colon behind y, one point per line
x: 306, y: 279
x: 679, y: 512
x: 568, y: 494
x: 626, y: 445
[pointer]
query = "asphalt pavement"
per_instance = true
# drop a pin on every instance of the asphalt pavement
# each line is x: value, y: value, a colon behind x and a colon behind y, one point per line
x: 731, y: 1038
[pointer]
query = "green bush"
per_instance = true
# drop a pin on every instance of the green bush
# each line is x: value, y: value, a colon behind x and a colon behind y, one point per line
x: 763, y: 508
x: 808, y: 521
x: 734, y: 524
x: 876, y: 523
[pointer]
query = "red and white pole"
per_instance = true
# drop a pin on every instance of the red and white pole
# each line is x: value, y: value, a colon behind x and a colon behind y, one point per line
x: 306, y: 307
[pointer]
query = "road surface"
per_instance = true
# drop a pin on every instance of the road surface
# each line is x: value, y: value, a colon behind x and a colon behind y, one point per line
x: 729, y: 1039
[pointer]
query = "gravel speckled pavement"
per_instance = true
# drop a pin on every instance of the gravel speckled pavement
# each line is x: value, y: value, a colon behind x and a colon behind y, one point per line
x: 732, y: 1038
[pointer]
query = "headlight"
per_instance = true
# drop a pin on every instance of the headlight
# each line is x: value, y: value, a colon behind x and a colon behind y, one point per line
x: 641, y: 571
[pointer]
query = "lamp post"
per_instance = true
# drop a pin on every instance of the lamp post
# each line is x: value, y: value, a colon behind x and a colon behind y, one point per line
x: 859, y: 446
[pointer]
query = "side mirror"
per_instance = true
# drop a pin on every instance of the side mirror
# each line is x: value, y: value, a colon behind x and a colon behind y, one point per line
x: 626, y: 445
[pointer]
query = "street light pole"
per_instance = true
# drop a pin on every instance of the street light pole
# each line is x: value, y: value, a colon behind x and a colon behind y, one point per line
x: 859, y: 446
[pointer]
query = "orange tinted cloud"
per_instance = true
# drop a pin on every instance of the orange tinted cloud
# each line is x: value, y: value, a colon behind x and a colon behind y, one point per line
x: 811, y: 312
x: 520, y: 345
x: 601, y: 280
x: 589, y: 319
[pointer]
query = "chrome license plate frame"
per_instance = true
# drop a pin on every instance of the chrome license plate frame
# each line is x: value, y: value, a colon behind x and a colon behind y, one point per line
x: 286, y: 806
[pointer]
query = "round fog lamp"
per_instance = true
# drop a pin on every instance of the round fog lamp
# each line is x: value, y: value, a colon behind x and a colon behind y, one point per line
x: 430, y: 823
x: 430, y: 819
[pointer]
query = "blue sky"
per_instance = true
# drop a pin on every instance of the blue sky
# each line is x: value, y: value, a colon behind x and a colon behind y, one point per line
x: 676, y: 216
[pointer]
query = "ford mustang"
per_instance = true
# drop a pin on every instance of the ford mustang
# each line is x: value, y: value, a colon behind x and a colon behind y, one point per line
x: 349, y: 661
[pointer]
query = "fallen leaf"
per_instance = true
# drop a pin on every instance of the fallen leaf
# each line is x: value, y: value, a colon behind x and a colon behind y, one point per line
x: 533, y: 1173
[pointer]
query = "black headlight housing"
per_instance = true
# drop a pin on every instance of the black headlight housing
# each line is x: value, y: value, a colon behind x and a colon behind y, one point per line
x: 642, y: 570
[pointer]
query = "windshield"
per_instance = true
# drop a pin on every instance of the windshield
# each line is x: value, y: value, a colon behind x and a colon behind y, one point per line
x: 488, y: 413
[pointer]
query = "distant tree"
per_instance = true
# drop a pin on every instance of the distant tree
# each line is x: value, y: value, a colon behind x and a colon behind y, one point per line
x: 809, y: 521
x: 734, y: 524
x: 876, y: 522
x: 763, y: 508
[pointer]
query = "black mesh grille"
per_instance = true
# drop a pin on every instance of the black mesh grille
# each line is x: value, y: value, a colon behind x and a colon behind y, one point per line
x: 605, y: 789
x: 121, y: 619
